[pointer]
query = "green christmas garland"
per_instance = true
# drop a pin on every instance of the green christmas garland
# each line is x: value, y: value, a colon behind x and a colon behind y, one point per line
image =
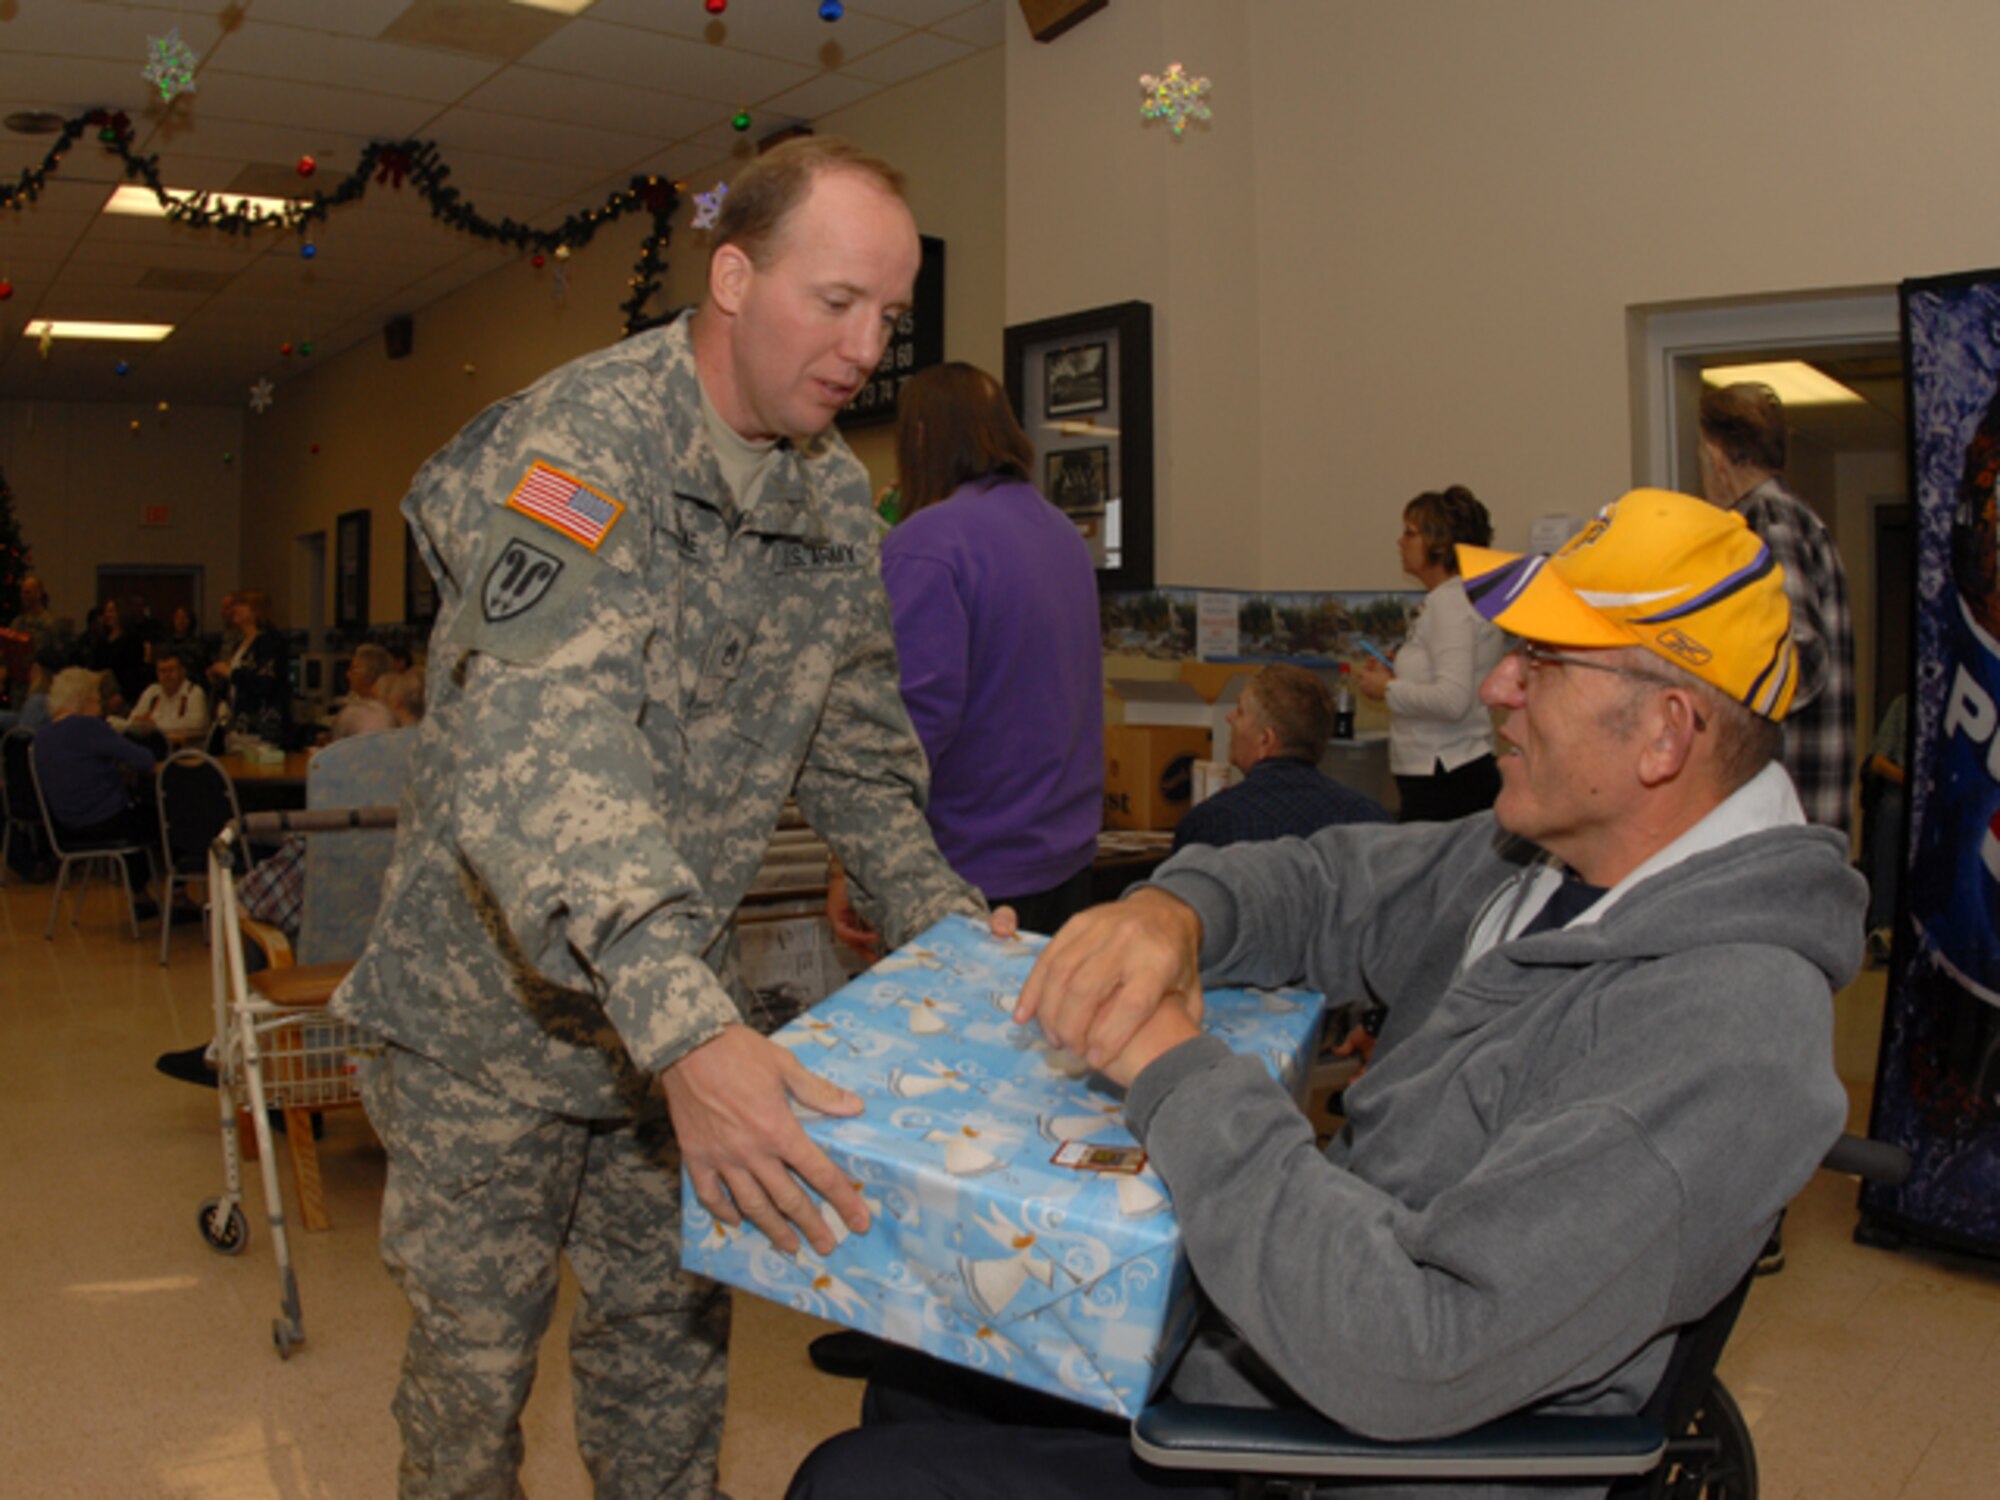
x: 390, y: 163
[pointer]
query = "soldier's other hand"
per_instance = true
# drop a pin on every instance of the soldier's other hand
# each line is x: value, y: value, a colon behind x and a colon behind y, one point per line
x: 847, y: 923
x: 744, y: 1149
x: 1109, y: 968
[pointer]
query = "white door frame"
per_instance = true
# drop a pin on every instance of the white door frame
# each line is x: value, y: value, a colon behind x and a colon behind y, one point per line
x: 1672, y: 335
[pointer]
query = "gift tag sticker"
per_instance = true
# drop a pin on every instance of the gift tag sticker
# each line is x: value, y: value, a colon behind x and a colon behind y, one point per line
x: 1081, y: 1156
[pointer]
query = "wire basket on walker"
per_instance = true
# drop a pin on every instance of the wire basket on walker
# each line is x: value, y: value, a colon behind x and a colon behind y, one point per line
x: 278, y: 1049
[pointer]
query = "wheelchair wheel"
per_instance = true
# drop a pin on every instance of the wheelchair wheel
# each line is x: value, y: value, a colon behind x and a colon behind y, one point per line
x: 1716, y: 1459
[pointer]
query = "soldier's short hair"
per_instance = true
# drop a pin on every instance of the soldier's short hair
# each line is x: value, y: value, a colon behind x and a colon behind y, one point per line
x: 763, y: 197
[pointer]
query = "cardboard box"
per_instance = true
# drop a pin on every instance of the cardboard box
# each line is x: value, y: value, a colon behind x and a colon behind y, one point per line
x: 1142, y: 700
x: 1018, y: 1229
x: 1149, y: 773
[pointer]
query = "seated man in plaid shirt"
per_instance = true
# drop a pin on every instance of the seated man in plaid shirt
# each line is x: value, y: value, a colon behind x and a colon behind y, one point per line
x: 1277, y: 731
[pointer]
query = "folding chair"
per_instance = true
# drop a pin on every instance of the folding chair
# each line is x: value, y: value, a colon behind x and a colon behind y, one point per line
x: 87, y: 856
x: 197, y: 801
x: 22, y: 814
x: 1688, y: 1441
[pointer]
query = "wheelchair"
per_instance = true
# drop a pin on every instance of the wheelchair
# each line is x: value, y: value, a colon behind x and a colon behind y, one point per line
x: 1689, y: 1442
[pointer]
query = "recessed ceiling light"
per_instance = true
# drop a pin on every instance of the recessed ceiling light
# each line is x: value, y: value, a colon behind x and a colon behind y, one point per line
x: 134, y: 199
x: 1796, y: 382
x: 561, y: 7
x: 35, y: 122
x: 72, y: 328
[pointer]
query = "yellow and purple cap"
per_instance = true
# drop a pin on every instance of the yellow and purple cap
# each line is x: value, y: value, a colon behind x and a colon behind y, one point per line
x: 1671, y: 574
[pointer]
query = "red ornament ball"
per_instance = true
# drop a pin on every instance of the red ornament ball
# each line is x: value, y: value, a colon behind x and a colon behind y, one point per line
x: 307, y: 166
x: 285, y: 349
x: 715, y: 7
x: 6, y: 290
x: 314, y: 448
x: 539, y: 260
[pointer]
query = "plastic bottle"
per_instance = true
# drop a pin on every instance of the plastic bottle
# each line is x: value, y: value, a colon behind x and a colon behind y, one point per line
x: 1343, y: 707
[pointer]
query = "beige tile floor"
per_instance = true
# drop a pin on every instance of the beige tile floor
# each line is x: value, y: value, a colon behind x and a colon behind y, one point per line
x: 135, y: 1363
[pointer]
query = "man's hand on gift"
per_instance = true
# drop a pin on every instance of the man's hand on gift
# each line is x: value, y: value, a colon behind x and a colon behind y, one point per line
x: 744, y: 1149
x: 1106, y: 973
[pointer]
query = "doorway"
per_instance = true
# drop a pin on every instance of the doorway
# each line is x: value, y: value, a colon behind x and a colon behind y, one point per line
x: 159, y: 590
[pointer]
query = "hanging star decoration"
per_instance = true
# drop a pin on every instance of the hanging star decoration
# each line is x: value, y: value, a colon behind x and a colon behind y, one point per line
x: 708, y: 206
x: 170, y: 65
x: 260, y: 396
x: 1174, y: 96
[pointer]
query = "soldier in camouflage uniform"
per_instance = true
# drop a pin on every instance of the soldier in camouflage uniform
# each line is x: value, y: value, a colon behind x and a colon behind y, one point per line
x: 661, y: 614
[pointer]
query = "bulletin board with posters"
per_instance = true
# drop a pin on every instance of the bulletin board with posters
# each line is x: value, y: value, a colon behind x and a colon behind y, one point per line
x: 1937, y: 1090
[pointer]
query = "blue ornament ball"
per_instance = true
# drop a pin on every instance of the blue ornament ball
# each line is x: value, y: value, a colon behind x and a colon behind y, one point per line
x: 831, y: 10
x: 308, y: 250
x: 123, y: 368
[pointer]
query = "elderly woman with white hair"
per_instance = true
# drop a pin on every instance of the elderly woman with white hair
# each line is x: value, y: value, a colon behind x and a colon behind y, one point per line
x: 97, y: 783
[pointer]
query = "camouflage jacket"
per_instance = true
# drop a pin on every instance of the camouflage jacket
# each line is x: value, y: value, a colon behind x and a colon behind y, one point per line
x: 628, y: 677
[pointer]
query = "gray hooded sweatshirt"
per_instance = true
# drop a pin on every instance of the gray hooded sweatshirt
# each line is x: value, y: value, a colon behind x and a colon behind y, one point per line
x: 1568, y: 1144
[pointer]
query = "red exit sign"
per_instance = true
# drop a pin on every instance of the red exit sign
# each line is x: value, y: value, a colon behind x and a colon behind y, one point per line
x: 152, y: 515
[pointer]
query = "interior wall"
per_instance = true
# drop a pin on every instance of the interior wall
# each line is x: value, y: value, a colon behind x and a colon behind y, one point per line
x: 376, y: 420
x: 80, y: 474
x: 1446, y: 208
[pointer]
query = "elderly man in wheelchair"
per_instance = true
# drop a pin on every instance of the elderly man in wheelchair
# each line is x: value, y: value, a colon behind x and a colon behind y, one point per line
x: 1606, y: 1067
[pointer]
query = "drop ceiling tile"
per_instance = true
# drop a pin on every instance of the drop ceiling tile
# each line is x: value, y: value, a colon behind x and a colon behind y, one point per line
x: 790, y: 29
x: 985, y: 25
x: 822, y: 96
x: 919, y: 53
x: 537, y: 94
x: 352, y: 17
x: 622, y: 54
x: 309, y: 56
x: 911, y: 12
x: 298, y: 111
x: 581, y: 146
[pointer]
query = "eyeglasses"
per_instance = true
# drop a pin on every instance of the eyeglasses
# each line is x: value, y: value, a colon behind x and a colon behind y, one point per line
x: 1537, y: 658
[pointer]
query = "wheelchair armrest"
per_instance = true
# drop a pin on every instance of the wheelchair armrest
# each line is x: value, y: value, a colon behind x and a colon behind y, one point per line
x: 277, y: 948
x: 1258, y: 1440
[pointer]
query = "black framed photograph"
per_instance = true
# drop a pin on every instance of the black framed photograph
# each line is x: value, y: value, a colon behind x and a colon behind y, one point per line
x: 420, y: 595
x: 1078, y: 480
x: 1082, y: 385
x: 1078, y: 380
x: 350, y: 570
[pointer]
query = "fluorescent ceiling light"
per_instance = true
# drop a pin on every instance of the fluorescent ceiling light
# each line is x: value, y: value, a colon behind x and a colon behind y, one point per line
x: 564, y: 7
x: 134, y: 199
x: 1797, y: 383
x: 72, y: 328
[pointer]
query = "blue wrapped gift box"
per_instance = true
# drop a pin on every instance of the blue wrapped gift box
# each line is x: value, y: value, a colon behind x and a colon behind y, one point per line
x: 1017, y: 1229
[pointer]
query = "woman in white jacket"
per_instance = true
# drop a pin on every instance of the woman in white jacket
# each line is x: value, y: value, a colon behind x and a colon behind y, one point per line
x: 1440, y: 735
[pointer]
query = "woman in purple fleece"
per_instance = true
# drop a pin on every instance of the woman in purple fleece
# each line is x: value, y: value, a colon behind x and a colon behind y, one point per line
x: 995, y: 605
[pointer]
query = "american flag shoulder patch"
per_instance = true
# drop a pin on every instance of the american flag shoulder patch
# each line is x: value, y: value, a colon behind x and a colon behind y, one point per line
x: 566, y: 504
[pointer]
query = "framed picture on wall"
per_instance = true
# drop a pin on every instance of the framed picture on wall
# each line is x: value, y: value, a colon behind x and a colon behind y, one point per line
x: 350, y: 570
x: 1082, y: 385
x: 420, y: 595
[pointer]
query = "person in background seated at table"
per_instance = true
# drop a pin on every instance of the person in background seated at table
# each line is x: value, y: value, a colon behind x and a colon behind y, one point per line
x: 119, y: 649
x: 1440, y: 734
x: 256, y: 674
x: 184, y: 641
x: 1278, y: 730
x: 1608, y: 1063
x: 98, y: 784
x: 30, y: 706
x: 174, y: 706
x: 36, y: 620
x: 364, y: 711
x: 403, y: 694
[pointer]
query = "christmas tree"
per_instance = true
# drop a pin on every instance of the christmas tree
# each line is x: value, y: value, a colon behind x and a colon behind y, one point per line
x: 14, y: 559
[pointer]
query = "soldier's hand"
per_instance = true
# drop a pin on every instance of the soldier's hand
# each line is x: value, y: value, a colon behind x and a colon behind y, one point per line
x: 744, y: 1149
x: 1109, y: 968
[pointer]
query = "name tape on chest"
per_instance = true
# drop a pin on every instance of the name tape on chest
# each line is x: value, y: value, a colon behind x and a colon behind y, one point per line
x: 817, y: 557
x: 565, y: 504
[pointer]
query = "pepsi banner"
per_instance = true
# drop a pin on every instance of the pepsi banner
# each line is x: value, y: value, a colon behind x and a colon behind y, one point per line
x: 1937, y: 1090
